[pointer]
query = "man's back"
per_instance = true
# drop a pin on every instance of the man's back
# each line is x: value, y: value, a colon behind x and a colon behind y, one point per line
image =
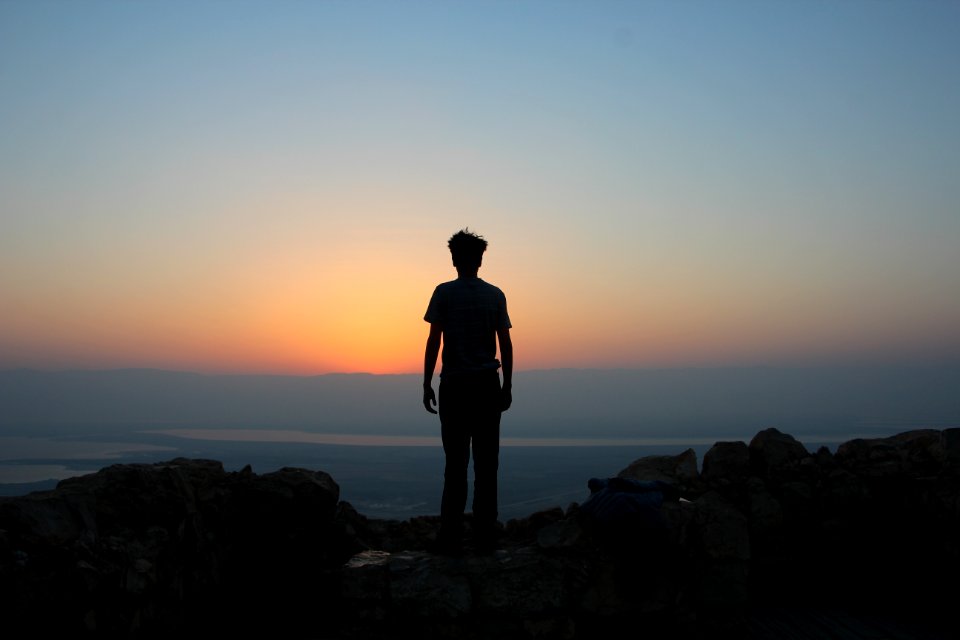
x: 470, y: 312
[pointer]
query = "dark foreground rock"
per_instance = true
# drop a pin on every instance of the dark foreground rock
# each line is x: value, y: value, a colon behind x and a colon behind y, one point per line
x: 184, y: 547
x: 164, y: 548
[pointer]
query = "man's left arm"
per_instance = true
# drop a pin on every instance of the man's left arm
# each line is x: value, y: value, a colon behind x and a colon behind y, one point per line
x: 506, y: 362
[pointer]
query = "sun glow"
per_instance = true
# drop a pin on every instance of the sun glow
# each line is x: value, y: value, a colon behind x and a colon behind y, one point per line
x: 203, y: 206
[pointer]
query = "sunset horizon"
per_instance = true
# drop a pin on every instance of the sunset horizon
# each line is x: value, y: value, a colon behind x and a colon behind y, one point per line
x: 269, y: 188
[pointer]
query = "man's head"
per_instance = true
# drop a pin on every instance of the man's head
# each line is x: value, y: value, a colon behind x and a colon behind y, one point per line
x: 467, y: 250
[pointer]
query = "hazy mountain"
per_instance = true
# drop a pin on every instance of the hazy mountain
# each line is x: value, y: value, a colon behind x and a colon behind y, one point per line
x: 562, y: 403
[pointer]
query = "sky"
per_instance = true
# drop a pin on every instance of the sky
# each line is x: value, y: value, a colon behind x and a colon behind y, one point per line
x: 268, y: 187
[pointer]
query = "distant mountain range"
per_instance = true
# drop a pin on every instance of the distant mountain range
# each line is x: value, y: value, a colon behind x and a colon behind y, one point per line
x: 720, y: 402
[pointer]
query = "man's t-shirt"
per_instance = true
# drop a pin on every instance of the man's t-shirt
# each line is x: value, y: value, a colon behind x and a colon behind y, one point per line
x: 470, y: 311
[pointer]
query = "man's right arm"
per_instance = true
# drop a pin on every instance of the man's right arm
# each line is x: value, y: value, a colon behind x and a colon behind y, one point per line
x: 430, y: 354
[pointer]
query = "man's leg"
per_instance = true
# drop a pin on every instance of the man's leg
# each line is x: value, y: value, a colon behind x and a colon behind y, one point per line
x: 486, y: 463
x: 486, y: 450
x: 456, y: 448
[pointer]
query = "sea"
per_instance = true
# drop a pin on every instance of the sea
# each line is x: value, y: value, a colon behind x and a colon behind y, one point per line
x: 389, y: 477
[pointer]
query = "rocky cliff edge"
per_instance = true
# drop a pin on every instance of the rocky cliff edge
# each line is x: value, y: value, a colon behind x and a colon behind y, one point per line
x: 184, y: 547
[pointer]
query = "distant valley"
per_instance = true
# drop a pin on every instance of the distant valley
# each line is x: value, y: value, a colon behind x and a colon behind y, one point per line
x: 562, y: 403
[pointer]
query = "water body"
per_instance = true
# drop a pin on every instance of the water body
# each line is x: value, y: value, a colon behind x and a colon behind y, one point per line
x: 372, y: 435
x: 382, y: 476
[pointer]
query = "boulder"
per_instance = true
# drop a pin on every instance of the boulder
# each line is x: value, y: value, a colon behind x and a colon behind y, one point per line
x: 723, y: 548
x: 726, y: 462
x: 764, y: 511
x: 775, y: 454
x: 564, y: 534
x: 153, y: 548
x: 679, y: 470
x: 950, y: 447
x: 911, y: 453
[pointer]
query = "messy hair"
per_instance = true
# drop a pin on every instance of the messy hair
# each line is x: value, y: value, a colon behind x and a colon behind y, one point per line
x: 467, y: 248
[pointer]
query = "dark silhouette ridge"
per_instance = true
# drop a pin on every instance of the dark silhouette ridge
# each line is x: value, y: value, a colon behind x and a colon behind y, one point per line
x: 768, y: 541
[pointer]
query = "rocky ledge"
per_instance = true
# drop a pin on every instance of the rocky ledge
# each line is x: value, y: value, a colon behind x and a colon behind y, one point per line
x: 664, y: 547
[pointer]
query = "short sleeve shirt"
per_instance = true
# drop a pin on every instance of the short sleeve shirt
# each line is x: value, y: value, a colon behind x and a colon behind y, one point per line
x: 470, y: 311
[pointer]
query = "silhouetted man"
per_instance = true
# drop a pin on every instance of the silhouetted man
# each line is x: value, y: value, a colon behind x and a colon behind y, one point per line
x: 470, y: 317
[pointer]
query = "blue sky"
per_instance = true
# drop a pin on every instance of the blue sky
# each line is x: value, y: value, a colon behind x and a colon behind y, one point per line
x: 253, y: 186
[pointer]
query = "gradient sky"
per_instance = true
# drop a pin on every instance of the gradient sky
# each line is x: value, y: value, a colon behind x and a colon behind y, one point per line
x: 269, y: 186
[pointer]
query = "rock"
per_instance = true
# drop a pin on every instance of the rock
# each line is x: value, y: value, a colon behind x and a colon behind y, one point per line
x: 844, y: 491
x: 185, y: 547
x: 527, y: 529
x: 724, y: 549
x: 427, y: 586
x: 726, y: 462
x: 524, y: 583
x: 723, y: 531
x: 950, y: 447
x: 913, y: 453
x: 418, y: 588
x: 169, y: 546
x: 775, y: 454
x: 765, y: 512
x: 679, y: 470
x: 560, y: 535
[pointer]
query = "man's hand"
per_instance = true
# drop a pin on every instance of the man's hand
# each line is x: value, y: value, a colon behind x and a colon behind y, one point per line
x: 430, y: 354
x: 506, y: 398
x: 429, y: 399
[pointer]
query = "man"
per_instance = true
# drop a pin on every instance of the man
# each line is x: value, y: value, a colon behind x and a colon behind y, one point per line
x: 469, y: 316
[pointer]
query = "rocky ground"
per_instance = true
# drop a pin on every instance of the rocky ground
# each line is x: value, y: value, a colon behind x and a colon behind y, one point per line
x: 185, y: 547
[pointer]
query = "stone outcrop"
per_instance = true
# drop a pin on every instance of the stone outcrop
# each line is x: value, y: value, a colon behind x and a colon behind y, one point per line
x: 679, y: 470
x: 155, y: 549
x: 185, y: 547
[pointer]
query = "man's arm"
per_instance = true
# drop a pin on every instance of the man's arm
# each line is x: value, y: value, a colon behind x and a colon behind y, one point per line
x: 430, y: 354
x: 506, y: 362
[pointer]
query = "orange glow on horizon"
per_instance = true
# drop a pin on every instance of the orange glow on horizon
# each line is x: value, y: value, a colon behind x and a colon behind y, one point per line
x: 206, y: 208
x: 313, y: 298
